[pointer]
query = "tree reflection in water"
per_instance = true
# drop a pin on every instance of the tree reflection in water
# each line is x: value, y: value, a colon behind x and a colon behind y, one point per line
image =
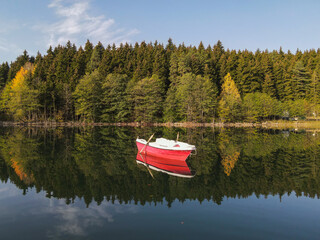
x: 100, y: 163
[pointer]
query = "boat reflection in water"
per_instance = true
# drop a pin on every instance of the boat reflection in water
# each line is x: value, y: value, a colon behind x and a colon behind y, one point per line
x: 170, y: 166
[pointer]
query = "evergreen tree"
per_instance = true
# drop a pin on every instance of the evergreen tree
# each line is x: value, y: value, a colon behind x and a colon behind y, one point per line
x: 78, y: 66
x: 247, y: 78
x: 115, y: 105
x: 301, y: 81
x: 87, y: 97
x: 159, y: 63
x: 279, y: 79
x: 314, y: 93
x: 95, y: 58
x: 268, y: 86
x: 170, y: 48
x: 217, y: 52
x: 196, y: 97
x: 88, y: 48
x: 4, y: 70
x: 146, y: 97
x: 171, y: 105
x: 106, y: 65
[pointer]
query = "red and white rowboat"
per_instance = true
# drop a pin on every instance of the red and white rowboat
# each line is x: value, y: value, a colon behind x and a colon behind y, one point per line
x: 165, y: 148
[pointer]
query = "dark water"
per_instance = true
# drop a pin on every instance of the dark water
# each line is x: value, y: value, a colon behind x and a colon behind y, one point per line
x: 85, y: 184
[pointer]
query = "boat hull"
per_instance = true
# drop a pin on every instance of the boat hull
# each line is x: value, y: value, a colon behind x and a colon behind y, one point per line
x: 180, y: 155
x: 172, y: 167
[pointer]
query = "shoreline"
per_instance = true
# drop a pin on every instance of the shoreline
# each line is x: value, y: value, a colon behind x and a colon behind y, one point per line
x: 268, y: 124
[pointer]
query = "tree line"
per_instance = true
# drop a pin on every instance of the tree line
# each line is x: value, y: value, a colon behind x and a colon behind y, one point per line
x: 152, y: 82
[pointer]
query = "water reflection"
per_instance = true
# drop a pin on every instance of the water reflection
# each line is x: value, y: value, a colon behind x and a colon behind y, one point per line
x: 98, y: 164
x: 177, y: 168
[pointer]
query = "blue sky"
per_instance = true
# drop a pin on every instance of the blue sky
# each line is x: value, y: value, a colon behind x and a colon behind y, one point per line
x: 239, y: 24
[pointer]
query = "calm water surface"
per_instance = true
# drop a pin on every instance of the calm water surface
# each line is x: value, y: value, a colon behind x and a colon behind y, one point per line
x: 72, y: 183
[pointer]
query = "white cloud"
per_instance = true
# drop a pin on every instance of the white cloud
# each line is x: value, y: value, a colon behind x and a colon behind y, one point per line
x: 77, y: 25
x: 76, y: 221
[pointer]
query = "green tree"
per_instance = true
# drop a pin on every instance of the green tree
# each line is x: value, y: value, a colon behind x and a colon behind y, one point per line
x: 301, y: 81
x: 4, y: 70
x: 160, y: 64
x: 95, y: 58
x: 314, y: 93
x: 196, y: 96
x: 268, y: 86
x: 115, y: 105
x: 147, y: 96
x: 259, y: 106
x: 297, y: 108
x: 88, y: 48
x: 87, y: 97
x: 106, y: 65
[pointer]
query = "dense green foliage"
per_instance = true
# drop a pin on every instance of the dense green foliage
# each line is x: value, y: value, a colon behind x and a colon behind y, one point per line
x: 156, y: 83
x: 99, y: 163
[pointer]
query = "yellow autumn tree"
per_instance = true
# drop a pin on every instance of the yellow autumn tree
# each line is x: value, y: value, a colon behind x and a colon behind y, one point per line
x: 20, y: 153
x: 229, y: 108
x: 229, y: 151
x: 21, y: 173
x: 229, y: 161
x: 18, y: 98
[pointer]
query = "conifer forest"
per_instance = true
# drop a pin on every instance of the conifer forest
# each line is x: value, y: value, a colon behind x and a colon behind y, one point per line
x: 154, y: 83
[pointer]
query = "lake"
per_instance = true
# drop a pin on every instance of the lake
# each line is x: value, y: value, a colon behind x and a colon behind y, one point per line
x: 85, y: 183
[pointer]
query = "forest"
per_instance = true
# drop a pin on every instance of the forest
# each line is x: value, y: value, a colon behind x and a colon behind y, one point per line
x: 156, y: 83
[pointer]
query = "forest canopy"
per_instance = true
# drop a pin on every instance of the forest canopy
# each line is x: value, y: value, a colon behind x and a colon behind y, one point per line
x: 152, y: 82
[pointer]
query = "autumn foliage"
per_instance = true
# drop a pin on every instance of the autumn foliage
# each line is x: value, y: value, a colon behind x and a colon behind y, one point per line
x: 18, y: 98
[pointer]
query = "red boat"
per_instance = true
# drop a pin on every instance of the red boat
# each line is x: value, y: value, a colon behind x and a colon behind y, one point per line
x: 164, y: 148
x: 172, y: 167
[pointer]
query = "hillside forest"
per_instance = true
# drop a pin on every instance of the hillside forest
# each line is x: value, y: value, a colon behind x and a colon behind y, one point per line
x: 153, y: 82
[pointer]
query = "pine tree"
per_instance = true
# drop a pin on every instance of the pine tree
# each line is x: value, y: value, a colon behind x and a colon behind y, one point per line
x: 79, y: 66
x: 147, y: 98
x: 301, y: 81
x: 171, y: 105
x: 115, y: 105
x: 95, y: 58
x: 88, y: 48
x: 196, y: 97
x: 279, y: 79
x: 268, y: 86
x: 314, y: 95
x: 106, y: 65
x: 217, y: 53
x: 4, y: 70
x: 159, y: 64
x: 88, y: 104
